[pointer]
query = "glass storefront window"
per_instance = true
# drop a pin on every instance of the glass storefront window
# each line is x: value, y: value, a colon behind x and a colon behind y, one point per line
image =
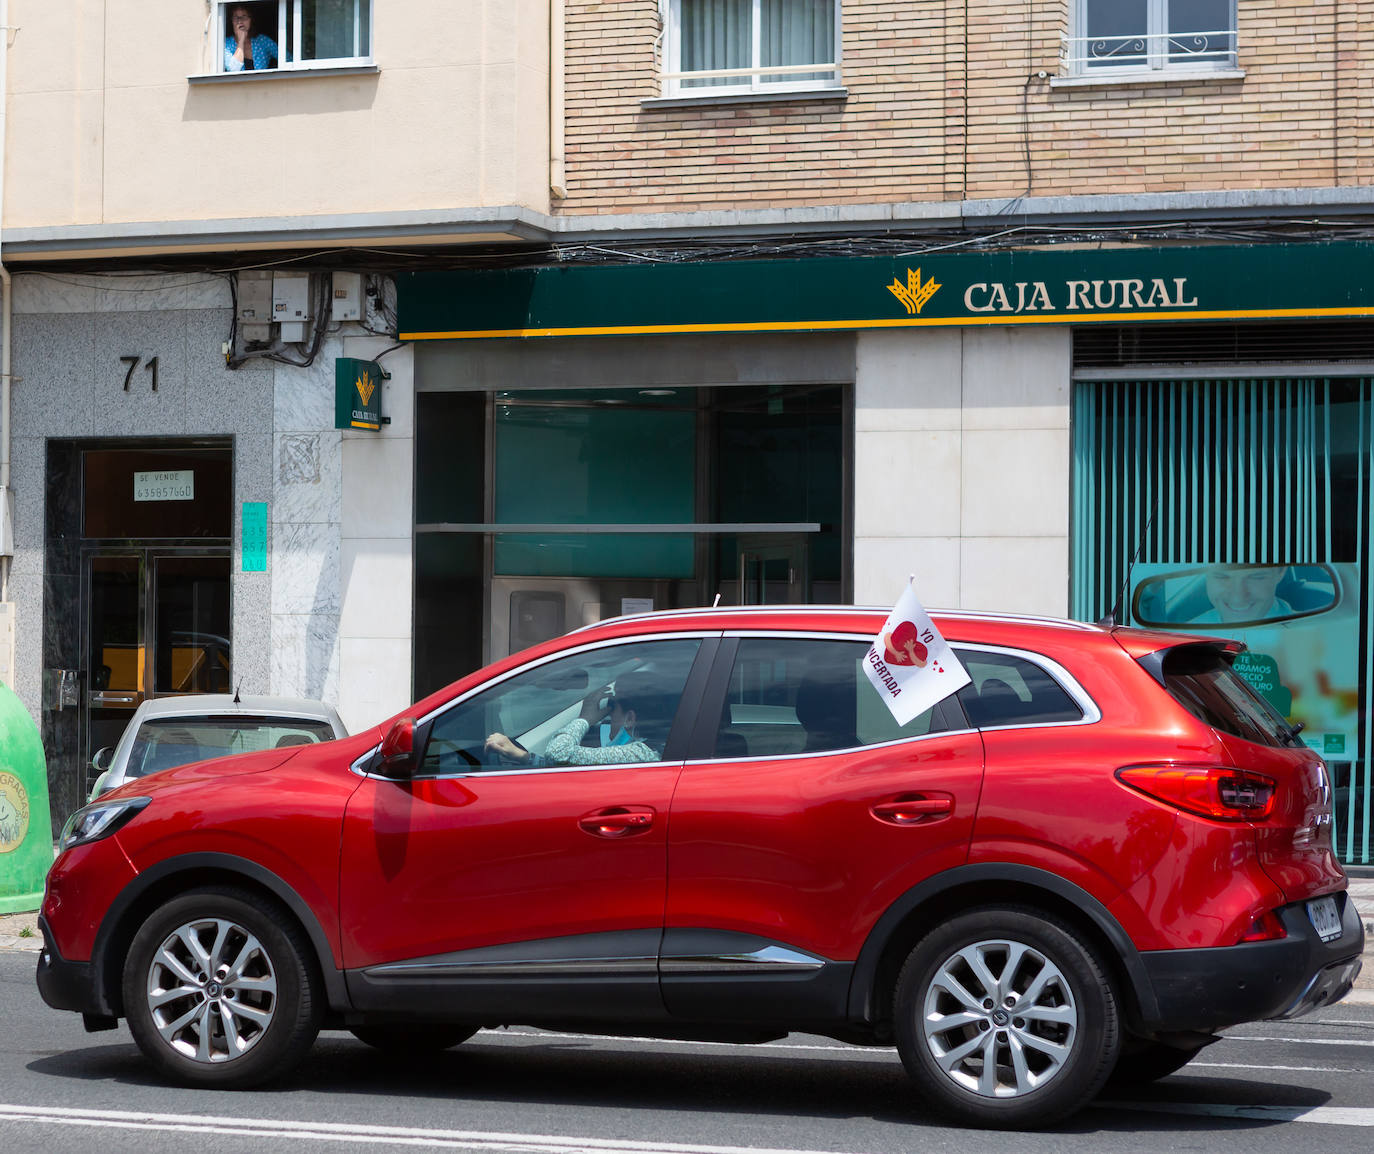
x: 598, y: 502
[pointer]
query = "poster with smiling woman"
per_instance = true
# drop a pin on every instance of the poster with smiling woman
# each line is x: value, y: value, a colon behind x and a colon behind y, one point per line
x: 1300, y: 625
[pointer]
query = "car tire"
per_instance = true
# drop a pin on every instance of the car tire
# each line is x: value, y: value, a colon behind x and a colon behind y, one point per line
x: 219, y: 990
x: 416, y: 1039
x: 1020, y: 987
x: 1144, y: 1062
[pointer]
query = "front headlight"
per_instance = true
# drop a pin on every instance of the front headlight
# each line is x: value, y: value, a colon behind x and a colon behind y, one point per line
x: 98, y: 820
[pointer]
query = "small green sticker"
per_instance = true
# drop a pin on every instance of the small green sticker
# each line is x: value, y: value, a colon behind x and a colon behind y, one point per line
x: 1333, y: 743
x: 255, y: 536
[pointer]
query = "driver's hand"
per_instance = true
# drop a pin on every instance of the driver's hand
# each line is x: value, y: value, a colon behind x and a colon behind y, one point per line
x: 592, y: 709
x: 505, y: 747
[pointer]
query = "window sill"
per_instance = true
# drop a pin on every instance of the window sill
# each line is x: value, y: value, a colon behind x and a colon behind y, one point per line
x: 792, y: 96
x: 281, y: 74
x: 1148, y: 76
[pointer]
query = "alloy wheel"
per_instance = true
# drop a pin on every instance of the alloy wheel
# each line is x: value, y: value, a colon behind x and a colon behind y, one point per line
x: 1000, y: 1018
x: 211, y: 990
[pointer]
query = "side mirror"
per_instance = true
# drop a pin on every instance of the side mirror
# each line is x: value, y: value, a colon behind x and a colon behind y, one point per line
x: 398, y: 757
x: 103, y: 759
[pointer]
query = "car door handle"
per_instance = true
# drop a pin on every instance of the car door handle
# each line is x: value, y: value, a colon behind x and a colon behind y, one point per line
x: 913, y: 809
x: 617, y: 821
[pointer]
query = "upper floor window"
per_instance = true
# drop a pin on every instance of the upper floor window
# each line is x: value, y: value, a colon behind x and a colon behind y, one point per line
x: 269, y: 35
x: 732, y: 47
x: 1146, y: 35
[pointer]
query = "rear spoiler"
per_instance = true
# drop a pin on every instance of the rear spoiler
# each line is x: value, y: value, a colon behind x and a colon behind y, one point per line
x: 1152, y: 660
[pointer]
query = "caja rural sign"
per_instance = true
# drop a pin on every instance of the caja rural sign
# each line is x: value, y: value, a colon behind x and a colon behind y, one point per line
x: 1036, y: 286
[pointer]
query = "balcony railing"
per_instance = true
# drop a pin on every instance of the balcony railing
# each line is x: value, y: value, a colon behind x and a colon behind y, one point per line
x: 1190, y: 50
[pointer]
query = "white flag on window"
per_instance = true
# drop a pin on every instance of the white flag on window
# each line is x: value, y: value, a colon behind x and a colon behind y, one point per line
x: 911, y: 665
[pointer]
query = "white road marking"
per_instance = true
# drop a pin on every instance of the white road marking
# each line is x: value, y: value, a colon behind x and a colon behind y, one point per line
x: 388, y: 1135
x: 1325, y: 1115
x: 1299, y: 1041
x: 1281, y: 1069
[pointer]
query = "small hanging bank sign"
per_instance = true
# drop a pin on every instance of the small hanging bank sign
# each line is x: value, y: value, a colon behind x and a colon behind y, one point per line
x: 358, y: 394
x: 911, y: 665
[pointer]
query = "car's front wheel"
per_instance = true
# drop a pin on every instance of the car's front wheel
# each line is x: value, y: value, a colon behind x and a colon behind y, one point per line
x: 219, y: 991
x: 1006, y: 1017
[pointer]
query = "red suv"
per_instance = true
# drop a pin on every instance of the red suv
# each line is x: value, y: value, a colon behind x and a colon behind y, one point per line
x: 706, y: 824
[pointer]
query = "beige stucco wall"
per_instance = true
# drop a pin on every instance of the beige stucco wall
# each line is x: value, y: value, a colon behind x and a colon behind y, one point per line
x: 104, y: 127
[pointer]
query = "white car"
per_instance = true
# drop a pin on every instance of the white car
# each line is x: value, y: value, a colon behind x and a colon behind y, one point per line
x: 169, y: 731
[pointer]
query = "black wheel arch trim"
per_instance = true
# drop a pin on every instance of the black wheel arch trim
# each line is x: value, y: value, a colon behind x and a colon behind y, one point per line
x: 867, y: 967
x: 336, y: 991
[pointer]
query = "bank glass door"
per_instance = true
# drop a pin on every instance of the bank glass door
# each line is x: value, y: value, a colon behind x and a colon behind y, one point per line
x: 772, y: 571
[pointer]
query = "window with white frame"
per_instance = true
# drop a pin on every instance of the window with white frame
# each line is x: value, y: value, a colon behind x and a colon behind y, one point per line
x: 285, y: 35
x: 731, y: 47
x: 1134, y: 36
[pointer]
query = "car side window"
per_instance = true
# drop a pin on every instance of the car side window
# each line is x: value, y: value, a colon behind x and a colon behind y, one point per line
x: 792, y: 695
x: 611, y: 705
x: 1010, y: 690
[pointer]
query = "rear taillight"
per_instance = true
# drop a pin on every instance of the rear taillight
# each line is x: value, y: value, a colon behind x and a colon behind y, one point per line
x: 1220, y: 792
x: 1265, y: 928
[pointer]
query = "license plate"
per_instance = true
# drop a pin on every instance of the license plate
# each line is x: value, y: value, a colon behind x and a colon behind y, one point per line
x: 1325, y: 920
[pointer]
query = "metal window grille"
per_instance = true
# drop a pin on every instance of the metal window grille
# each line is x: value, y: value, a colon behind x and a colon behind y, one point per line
x: 1211, y: 49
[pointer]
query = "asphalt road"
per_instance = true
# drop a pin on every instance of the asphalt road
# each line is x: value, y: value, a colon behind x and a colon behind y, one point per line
x: 1287, y: 1087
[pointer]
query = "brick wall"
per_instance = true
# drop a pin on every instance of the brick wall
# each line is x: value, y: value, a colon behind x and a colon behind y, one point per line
x: 944, y: 103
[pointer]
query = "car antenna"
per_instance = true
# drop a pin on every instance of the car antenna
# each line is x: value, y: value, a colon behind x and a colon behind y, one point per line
x: 716, y: 603
x: 1113, y: 618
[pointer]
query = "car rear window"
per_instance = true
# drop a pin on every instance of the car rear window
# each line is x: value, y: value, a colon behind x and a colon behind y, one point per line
x: 175, y: 741
x: 1009, y: 690
x: 1200, y: 679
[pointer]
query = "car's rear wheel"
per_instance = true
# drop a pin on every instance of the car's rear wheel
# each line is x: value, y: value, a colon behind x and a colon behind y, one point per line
x: 412, y: 1039
x: 1006, y: 1017
x: 219, y: 990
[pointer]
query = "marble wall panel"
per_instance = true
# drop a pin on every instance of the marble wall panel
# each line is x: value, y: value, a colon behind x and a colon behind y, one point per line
x: 220, y: 399
x: 308, y: 478
x: 142, y: 292
x: 53, y: 293
x: 26, y: 592
x: 304, y: 398
x: 140, y: 410
x: 908, y: 379
x: 305, y: 656
x: 207, y: 332
x: 1015, y: 574
x: 253, y: 470
x: 883, y: 564
x: 906, y: 483
x: 304, y: 563
x: 253, y: 641
x: 379, y: 676
x: 28, y: 473
x: 54, y: 366
x: 377, y: 498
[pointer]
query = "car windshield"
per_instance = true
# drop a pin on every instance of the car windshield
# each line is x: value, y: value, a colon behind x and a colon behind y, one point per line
x: 172, y: 741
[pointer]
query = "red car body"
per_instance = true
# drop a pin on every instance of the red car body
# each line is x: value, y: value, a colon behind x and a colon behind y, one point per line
x: 724, y: 892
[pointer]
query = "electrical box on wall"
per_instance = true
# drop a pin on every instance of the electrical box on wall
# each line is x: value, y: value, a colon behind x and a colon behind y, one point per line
x: 347, y: 304
x: 291, y: 304
x: 255, y: 305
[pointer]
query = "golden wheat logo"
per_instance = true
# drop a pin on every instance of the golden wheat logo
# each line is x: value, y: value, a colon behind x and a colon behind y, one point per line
x: 913, y: 294
x: 366, y: 386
